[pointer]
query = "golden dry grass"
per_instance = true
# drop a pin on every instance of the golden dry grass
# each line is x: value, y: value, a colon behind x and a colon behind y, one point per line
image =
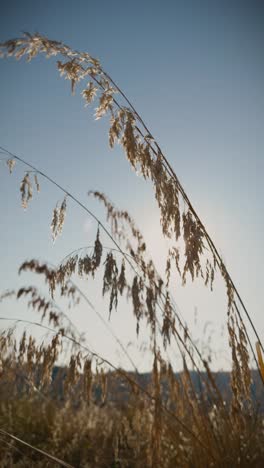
x: 166, y: 423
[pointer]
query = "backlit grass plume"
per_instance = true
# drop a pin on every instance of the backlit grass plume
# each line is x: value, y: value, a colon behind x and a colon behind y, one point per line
x: 65, y: 403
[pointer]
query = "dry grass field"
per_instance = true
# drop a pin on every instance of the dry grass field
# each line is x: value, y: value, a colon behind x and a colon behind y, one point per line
x: 93, y: 413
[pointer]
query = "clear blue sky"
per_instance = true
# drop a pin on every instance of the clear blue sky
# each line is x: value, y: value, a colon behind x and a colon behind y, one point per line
x: 195, y: 72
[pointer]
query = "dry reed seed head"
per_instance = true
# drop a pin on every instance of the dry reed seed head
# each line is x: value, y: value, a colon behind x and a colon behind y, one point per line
x: 121, y: 284
x: 119, y: 219
x: 89, y: 93
x: 105, y: 103
x: 7, y: 294
x: 26, y: 191
x: 229, y: 287
x: 173, y: 384
x: 129, y: 140
x: 110, y: 280
x: 159, y: 287
x: 48, y: 356
x: 102, y: 198
x: 168, y: 271
x: 72, y: 70
x: 36, y: 301
x: 176, y: 255
x: 112, y: 213
x: 70, y: 292
x: 173, y: 255
x: 151, y: 273
x: 158, y: 174
x: 159, y: 178
x: 47, y: 308
x: 137, y: 300
x: 34, y: 266
x: 22, y: 348
x: 31, y: 45
x: 49, y: 273
x: 58, y: 219
x: 241, y: 375
x: 7, y: 339
x: 54, y: 223
x: 53, y: 319
x: 66, y: 270
x: 4, y: 346
x: 52, y: 280
x: 260, y: 359
x: 73, y: 373
x: 146, y: 161
x: 242, y: 348
x: 209, y: 274
x: 167, y: 196
x: 87, y: 380
x: 115, y: 129
x: 194, y: 246
x: 168, y: 325
x: 98, y: 251
x: 62, y: 213
x: 151, y: 308
x: 169, y: 207
x: 11, y: 164
x: 31, y: 354
x: 85, y: 265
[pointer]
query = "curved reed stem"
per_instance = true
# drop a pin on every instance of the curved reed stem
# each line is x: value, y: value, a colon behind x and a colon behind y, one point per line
x: 79, y: 66
x: 35, y: 449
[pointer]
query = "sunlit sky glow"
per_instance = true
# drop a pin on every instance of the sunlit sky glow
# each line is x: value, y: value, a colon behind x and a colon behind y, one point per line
x: 195, y: 72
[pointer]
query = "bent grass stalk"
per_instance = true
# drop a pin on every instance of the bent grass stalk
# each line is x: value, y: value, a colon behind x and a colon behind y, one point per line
x: 146, y: 290
x: 82, y: 65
